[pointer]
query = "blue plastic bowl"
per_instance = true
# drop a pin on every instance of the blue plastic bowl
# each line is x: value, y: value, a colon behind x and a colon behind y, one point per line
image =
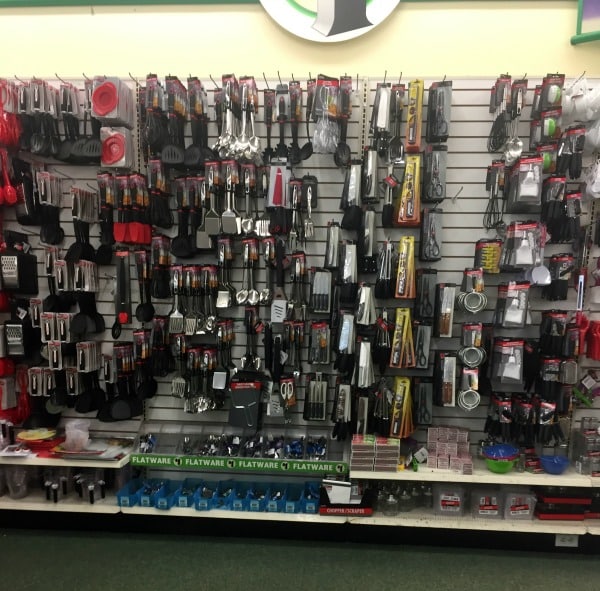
x: 501, y: 451
x: 554, y: 464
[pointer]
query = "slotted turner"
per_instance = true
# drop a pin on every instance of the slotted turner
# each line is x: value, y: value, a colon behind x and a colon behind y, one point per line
x: 176, y: 318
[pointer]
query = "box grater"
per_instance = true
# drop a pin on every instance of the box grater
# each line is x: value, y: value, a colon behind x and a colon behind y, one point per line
x: 19, y: 272
x: 10, y: 271
x: 14, y: 338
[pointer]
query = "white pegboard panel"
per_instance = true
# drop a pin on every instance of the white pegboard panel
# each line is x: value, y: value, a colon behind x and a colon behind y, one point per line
x: 467, y: 163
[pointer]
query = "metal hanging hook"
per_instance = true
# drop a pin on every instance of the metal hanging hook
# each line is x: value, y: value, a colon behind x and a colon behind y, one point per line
x: 265, y: 78
x: 59, y: 78
x: 135, y: 80
x: 213, y: 81
x: 279, y: 76
x: 457, y: 194
x: 400, y: 78
x: 19, y: 80
x: 88, y: 79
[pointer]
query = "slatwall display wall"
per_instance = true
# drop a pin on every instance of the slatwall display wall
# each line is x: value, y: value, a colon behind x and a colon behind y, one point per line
x: 466, y: 171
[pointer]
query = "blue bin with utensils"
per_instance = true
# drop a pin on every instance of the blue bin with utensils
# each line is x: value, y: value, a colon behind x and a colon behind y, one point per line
x: 223, y: 498
x: 258, y: 495
x: 166, y: 498
x: 203, y: 497
x: 129, y: 495
x: 276, y: 499
x: 293, y: 499
x: 151, y: 490
x: 240, y: 500
x: 310, y: 498
x: 185, y: 495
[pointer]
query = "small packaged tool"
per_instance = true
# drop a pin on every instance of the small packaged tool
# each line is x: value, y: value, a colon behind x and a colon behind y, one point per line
x: 471, y: 298
x: 472, y: 354
x: 350, y: 201
x: 315, y: 404
x: 382, y: 347
x: 405, y: 275
x: 366, y: 242
x: 365, y: 306
x: 487, y: 255
x: 439, y: 111
x: 408, y: 204
x: 523, y: 247
x: 524, y: 191
x: 332, y: 246
x: 512, y: 305
x: 507, y: 362
x: 430, y: 245
x: 444, y: 309
x: 549, y: 154
x: 444, y: 379
x: 414, y: 121
x: 401, y: 419
x: 320, y: 339
x: 403, y: 350
x: 426, y: 289
x: 434, y: 178
x: 364, y: 374
x: 423, y: 401
x: 561, y: 267
x: 348, y: 274
x: 320, y: 296
x: 468, y: 397
x: 385, y: 284
x: 422, y: 339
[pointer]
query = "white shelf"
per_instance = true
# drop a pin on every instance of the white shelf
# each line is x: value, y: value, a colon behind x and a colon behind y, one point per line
x: 481, y: 475
x: 34, y: 460
x: 249, y: 515
x: 427, y: 519
x: 36, y: 501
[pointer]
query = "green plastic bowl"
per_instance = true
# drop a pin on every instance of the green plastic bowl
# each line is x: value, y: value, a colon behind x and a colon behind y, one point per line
x: 499, y: 466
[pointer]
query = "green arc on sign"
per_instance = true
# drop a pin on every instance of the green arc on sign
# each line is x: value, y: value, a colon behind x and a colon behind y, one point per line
x: 306, y: 11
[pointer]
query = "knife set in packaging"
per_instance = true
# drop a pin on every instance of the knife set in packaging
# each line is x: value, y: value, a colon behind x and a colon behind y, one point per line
x: 320, y: 296
x: 344, y: 362
x: 444, y: 379
x: 439, y: 112
x: 444, y: 309
x: 426, y: 294
x: 557, y: 335
x: 348, y: 275
x: 366, y: 242
x: 351, y: 197
x: 112, y: 102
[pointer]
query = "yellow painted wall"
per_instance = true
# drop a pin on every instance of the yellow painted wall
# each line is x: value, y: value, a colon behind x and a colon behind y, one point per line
x: 429, y: 39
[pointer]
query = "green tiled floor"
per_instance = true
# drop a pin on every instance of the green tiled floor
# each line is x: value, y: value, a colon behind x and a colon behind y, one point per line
x: 41, y: 560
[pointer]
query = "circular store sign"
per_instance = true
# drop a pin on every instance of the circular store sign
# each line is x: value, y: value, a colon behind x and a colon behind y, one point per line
x: 329, y: 21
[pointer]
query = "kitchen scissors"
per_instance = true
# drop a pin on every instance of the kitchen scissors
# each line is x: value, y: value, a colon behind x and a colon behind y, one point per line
x: 435, y: 187
x: 432, y: 248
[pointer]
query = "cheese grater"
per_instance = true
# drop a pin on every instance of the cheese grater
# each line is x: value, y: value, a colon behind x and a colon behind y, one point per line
x: 10, y: 271
x: 14, y: 338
